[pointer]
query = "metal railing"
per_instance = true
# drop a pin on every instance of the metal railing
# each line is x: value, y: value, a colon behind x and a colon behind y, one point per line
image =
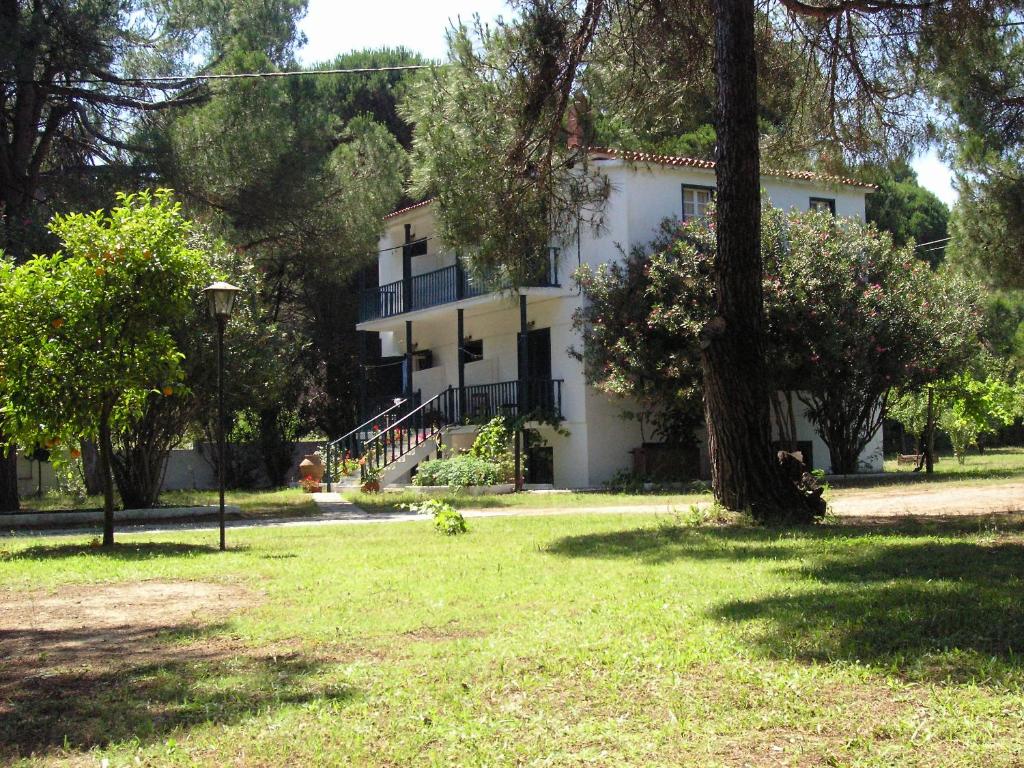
x: 535, y: 399
x: 443, y: 286
x: 409, y: 432
x: 349, y: 446
x: 540, y: 398
x: 396, y: 432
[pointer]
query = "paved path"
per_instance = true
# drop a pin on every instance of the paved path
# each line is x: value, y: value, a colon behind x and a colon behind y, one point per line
x: 939, y: 500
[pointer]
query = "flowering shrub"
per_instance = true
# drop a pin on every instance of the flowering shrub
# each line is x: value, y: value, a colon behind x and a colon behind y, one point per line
x: 849, y: 317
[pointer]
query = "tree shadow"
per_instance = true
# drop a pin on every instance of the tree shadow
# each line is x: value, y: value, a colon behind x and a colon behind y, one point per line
x: 80, y: 690
x: 120, y: 551
x: 919, y: 598
x: 930, y: 610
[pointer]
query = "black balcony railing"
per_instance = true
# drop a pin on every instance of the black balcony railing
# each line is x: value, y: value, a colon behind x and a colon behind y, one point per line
x: 390, y: 435
x: 539, y: 398
x: 443, y: 286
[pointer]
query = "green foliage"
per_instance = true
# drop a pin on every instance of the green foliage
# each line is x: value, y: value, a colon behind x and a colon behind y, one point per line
x: 493, y: 442
x: 970, y: 407
x: 908, y: 212
x: 987, y: 225
x: 640, y: 325
x: 300, y: 193
x: 447, y: 520
x: 85, y: 331
x: 501, y: 196
x: 911, y: 410
x: 849, y: 318
x: 463, y: 471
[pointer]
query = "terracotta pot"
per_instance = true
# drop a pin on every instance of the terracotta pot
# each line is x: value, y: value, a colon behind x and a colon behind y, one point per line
x: 310, y: 466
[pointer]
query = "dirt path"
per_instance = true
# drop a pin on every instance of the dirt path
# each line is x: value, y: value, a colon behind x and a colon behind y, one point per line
x: 938, y: 500
x: 945, y: 499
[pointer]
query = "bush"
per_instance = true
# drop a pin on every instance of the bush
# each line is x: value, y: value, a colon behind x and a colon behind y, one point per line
x: 447, y: 519
x: 463, y: 471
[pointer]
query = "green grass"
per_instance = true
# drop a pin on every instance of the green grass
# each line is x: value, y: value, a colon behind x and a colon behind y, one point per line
x: 995, y: 462
x: 566, y: 640
x: 390, y: 500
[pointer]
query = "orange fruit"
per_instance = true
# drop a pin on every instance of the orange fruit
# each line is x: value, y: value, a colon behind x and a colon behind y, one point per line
x: 168, y: 391
x: 58, y: 322
x: 75, y: 453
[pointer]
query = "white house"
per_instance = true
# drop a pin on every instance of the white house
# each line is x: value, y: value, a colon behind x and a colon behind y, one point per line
x: 427, y: 309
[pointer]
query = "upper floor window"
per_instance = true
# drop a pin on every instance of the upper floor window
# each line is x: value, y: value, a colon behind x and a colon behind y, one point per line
x: 473, y: 350
x: 823, y: 204
x: 696, y: 200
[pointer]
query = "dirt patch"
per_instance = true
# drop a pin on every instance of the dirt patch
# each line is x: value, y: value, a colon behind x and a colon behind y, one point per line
x: 100, y: 625
x: 934, y: 501
x: 443, y: 633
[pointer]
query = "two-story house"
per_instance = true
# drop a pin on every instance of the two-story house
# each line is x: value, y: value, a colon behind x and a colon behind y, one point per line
x: 451, y: 331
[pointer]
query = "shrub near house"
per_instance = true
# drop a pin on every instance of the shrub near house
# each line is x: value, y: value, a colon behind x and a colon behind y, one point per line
x: 850, y: 317
x: 488, y: 462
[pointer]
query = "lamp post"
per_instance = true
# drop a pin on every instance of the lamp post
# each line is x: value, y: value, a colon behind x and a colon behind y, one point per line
x: 221, y: 297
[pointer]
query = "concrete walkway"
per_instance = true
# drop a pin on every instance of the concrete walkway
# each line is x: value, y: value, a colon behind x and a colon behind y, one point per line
x: 939, y: 500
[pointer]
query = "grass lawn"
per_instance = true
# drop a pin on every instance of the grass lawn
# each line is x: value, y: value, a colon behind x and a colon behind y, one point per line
x: 388, y: 501
x: 567, y: 640
x: 995, y: 462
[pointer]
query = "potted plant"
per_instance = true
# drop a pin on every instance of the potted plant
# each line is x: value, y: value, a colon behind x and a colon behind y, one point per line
x: 371, y: 477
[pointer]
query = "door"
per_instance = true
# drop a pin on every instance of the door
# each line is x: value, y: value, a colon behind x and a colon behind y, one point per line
x: 538, y: 369
x: 538, y: 351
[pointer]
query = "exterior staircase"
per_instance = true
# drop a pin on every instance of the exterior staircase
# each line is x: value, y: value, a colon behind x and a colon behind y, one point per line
x: 393, y: 442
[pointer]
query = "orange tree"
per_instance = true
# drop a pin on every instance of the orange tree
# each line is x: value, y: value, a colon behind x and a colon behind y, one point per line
x: 86, y: 332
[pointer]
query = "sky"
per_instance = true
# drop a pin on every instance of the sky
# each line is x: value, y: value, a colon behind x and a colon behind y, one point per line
x: 338, y: 26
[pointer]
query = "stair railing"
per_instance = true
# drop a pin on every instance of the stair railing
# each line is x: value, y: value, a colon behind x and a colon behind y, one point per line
x: 350, y: 445
x: 403, y: 436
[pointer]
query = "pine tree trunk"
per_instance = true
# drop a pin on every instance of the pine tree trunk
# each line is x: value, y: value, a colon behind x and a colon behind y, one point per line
x: 736, y: 397
x: 106, y: 449
x: 9, y: 501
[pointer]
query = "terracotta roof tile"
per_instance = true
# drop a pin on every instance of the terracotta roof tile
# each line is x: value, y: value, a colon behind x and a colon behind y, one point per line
x: 408, y: 208
x: 692, y: 162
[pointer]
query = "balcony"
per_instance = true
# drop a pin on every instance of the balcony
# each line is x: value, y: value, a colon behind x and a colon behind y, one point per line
x: 443, y: 286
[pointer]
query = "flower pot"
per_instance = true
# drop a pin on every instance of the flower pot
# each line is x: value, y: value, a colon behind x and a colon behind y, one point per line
x: 311, y: 468
x: 371, y: 486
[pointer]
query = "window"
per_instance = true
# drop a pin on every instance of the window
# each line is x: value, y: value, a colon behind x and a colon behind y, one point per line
x: 423, y: 360
x: 473, y: 350
x: 696, y: 200
x: 823, y: 204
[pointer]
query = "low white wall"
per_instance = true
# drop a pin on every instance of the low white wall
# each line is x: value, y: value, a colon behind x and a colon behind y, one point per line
x: 187, y: 469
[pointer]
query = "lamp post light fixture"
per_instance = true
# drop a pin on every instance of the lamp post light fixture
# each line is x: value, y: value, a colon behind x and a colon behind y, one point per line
x: 221, y: 297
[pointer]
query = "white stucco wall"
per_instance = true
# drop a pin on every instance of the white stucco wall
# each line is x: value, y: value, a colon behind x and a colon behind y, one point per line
x: 599, y: 440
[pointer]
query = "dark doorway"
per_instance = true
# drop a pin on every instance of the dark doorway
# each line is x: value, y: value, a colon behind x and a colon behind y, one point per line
x: 538, y: 346
x: 540, y: 465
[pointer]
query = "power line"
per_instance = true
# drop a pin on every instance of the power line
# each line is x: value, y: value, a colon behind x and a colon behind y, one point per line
x: 183, y: 80
x: 186, y: 79
x: 933, y: 242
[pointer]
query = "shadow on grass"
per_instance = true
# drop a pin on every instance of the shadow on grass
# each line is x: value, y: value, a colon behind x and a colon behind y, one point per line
x: 129, y: 551
x: 85, y: 691
x: 923, y: 600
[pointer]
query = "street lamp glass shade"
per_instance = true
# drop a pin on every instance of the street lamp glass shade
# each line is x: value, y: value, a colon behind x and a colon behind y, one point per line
x: 222, y: 299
